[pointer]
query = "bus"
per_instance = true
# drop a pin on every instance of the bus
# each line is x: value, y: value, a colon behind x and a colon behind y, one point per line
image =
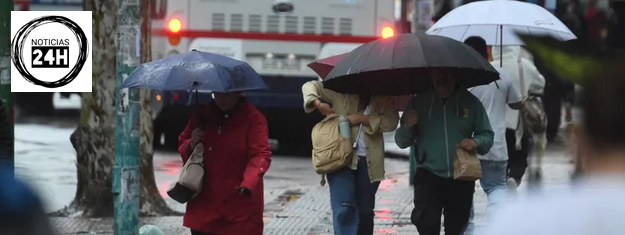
x: 278, y: 38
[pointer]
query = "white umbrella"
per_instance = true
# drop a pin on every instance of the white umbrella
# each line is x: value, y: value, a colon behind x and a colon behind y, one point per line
x: 488, y: 19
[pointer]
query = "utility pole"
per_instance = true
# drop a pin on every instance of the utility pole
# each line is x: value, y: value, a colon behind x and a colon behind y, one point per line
x: 6, y: 6
x: 127, y: 132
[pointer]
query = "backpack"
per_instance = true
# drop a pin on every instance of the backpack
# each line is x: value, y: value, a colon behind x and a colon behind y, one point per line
x: 331, y: 151
x: 188, y: 185
x: 533, y: 115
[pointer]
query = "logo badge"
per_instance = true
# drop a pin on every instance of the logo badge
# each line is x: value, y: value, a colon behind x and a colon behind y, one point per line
x: 51, y: 51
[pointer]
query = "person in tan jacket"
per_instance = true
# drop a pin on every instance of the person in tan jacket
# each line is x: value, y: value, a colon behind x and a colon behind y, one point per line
x: 352, y: 189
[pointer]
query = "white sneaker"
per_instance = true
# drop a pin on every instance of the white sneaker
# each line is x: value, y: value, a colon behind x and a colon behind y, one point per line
x: 511, y: 185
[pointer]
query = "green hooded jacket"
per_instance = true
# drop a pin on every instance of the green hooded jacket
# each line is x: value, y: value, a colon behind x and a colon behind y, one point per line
x: 441, y: 126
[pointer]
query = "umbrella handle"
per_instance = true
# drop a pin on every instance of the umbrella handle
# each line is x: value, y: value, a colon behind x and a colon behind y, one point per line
x: 197, y: 107
x: 355, y: 145
x: 501, y: 46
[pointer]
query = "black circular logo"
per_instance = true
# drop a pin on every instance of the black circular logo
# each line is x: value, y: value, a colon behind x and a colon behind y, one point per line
x: 19, y: 40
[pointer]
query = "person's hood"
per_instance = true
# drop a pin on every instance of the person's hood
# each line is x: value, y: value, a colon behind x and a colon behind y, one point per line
x: 510, y: 53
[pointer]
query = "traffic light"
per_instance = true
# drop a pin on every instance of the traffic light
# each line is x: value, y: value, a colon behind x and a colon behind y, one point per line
x: 175, y: 26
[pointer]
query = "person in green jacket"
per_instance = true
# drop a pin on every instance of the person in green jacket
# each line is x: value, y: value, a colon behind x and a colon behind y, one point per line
x: 439, y: 121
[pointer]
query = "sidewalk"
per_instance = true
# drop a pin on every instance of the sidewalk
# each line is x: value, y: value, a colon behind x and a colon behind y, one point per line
x: 310, y: 214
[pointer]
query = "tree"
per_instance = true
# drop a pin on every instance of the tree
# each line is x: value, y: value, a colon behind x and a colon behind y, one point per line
x: 94, y: 138
x: 151, y: 201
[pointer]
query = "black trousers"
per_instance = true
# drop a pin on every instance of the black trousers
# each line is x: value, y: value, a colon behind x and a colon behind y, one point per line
x: 517, y: 158
x: 553, y: 108
x: 193, y: 232
x: 434, y: 196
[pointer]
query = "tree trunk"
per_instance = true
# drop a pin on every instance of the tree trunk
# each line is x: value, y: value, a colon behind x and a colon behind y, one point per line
x: 152, y: 204
x: 94, y: 138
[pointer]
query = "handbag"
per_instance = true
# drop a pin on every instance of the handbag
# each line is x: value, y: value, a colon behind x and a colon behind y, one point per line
x: 467, y: 166
x: 190, y: 178
x: 188, y: 184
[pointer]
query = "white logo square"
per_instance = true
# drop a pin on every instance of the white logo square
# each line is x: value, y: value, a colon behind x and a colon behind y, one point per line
x: 51, y: 51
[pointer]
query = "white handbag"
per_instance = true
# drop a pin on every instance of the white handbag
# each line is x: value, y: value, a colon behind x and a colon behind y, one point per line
x: 190, y: 178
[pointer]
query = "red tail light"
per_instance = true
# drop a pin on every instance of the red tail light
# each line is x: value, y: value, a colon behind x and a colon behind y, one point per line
x: 387, y: 32
x: 175, y: 25
x: 176, y: 96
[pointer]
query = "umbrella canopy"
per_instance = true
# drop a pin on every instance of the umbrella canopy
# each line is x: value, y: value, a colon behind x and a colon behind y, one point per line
x: 488, y: 19
x: 196, y: 70
x: 399, y: 66
x: 323, y: 66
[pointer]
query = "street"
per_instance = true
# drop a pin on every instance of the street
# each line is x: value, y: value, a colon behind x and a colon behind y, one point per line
x: 47, y: 160
x: 294, y: 201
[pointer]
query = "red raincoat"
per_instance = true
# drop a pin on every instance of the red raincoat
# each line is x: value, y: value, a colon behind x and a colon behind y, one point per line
x: 236, y: 154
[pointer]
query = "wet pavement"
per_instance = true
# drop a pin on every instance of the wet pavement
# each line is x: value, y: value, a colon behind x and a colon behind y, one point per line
x: 295, y: 203
x: 306, y: 211
x: 311, y: 214
x: 46, y: 159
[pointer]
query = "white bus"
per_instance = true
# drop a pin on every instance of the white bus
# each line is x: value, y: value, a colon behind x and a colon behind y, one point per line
x: 278, y: 38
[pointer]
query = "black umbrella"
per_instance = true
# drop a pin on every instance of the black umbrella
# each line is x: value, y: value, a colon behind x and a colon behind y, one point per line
x: 399, y: 66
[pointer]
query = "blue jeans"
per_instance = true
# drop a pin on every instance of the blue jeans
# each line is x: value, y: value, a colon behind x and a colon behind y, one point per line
x: 352, y: 198
x: 493, y: 183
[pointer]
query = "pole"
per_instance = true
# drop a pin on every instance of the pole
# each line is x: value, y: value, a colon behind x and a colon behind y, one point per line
x: 6, y: 6
x: 127, y: 131
x: 403, y: 16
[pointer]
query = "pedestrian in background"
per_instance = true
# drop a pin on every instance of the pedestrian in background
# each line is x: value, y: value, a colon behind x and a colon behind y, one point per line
x: 236, y: 156
x: 595, y: 204
x: 598, y: 22
x: 573, y: 18
x: 443, y: 119
x: 519, y: 64
x: 495, y: 97
x: 353, y: 188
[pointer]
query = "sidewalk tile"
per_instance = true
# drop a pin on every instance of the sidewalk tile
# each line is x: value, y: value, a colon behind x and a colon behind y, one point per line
x: 311, y: 213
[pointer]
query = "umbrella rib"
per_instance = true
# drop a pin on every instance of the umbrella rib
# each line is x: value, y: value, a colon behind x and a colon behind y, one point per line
x: 497, y: 38
x: 530, y: 31
x: 374, y: 46
x: 465, y: 32
x: 359, y: 55
x: 392, y: 57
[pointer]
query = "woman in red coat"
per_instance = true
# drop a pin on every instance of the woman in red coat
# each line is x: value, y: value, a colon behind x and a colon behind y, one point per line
x: 236, y: 156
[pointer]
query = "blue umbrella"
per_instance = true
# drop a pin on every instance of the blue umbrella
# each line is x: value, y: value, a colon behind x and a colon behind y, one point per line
x: 196, y: 70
